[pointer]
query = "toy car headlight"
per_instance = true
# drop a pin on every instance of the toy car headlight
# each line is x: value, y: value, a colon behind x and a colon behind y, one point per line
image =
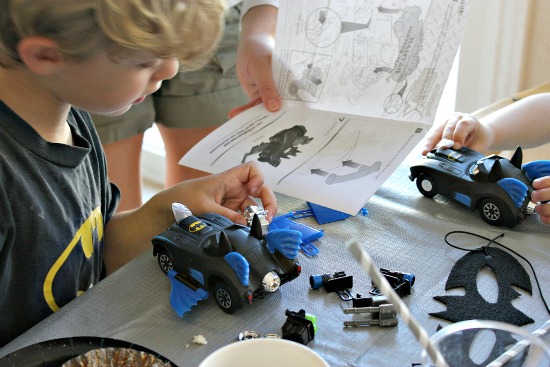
x: 271, y: 281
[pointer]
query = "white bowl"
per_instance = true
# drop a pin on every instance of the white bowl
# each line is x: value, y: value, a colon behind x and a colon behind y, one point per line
x: 264, y: 352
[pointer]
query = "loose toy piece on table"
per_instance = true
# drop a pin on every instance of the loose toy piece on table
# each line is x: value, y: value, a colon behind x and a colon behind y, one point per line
x: 401, y: 282
x: 499, y: 188
x: 299, y: 327
x: 379, y: 310
x: 368, y: 301
x: 339, y: 283
x: 325, y: 215
x: 383, y: 316
x: 238, y: 264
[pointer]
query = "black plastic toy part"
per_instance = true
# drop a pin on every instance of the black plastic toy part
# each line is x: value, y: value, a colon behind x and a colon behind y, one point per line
x: 383, y: 315
x: 360, y: 301
x: 298, y: 328
x: 338, y: 282
x: 400, y: 282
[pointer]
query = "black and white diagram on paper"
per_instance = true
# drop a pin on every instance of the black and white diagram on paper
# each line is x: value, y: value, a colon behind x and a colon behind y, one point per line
x: 388, y: 59
x: 325, y: 158
x: 282, y: 145
x: 360, y: 82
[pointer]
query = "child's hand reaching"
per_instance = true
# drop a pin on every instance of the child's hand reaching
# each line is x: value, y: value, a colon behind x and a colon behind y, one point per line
x: 225, y: 193
x: 461, y: 129
x: 129, y: 233
x: 542, y: 195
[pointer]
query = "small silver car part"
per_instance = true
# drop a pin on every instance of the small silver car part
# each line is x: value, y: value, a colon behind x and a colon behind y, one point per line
x: 248, y: 334
x: 249, y: 212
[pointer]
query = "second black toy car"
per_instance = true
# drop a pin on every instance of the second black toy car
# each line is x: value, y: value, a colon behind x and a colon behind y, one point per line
x: 230, y: 260
x: 499, y: 188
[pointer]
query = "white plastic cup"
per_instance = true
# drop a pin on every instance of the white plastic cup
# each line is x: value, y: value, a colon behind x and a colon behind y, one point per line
x: 265, y: 352
x: 453, y: 343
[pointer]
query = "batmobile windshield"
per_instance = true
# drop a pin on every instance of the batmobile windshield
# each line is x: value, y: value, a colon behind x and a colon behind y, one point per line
x: 474, y: 170
x: 217, y: 244
x: 480, y: 171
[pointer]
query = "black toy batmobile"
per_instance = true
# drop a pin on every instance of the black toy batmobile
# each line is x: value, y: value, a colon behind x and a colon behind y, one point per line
x: 233, y: 261
x: 499, y: 188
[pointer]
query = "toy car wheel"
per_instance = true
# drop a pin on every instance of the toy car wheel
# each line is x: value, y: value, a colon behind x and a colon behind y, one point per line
x: 165, y: 261
x: 225, y: 297
x: 426, y: 185
x: 492, y: 211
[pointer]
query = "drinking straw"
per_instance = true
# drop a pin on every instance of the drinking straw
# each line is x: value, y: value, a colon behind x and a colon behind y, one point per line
x: 519, y: 346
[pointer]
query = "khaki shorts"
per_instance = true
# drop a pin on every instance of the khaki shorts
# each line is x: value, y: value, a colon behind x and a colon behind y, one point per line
x: 196, y: 99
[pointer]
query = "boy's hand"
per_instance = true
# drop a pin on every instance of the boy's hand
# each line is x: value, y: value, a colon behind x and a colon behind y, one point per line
x: 461, y: 129
x: 542, y: 195
x: 128, y: 234
x: 254, y: 59
x: 227, y: 193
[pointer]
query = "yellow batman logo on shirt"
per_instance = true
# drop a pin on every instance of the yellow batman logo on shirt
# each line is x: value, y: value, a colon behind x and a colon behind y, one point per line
x: 84, y: 235
x: 196, y: 226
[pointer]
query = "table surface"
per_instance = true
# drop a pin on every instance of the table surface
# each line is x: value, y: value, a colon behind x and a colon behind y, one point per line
x: 403, y: 231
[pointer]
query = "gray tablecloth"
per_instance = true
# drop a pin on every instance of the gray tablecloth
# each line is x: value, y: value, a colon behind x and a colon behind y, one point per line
x: 403, y: 231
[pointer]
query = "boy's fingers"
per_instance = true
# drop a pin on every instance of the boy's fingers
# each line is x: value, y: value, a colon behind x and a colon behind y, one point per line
x: 445, y: 143
x: 235, y: 111
x: 269, y: 96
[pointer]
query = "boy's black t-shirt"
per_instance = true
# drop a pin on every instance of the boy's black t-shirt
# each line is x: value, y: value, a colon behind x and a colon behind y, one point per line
x: 54, y: 202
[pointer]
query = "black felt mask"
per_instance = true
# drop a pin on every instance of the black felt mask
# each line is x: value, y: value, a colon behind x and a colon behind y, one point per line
x: 472, y: 305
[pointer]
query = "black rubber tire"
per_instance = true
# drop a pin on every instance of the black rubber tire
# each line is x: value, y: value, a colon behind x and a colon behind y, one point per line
x: 226, y: 297
x: 494, y: 212
x: 426, y: 185
x: 164, y: 260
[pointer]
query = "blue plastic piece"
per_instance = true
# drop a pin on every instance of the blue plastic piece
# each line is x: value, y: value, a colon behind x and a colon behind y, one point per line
x: 182, y: 297
x: 326, y: 215
x: 286, y: 241
x: 240, y: 266
x: 197, y: 275
x: 409, y: 278
x: 536, y: 169
x: 316, y: 281
x: 309, y: 248
x: 309, y: 234
x: 299, y: 214
x: 516, y: 189
x: 464, y: 199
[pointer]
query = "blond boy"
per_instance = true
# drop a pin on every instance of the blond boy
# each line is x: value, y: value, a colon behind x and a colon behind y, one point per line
x: 58, y: 58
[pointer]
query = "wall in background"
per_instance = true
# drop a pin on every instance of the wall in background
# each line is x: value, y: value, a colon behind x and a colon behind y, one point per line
x: 536, y: 68
x: 492, y: 52
x: 505, y: 49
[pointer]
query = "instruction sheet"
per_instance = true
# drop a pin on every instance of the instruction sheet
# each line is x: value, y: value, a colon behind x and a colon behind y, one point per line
x: 360, y: 81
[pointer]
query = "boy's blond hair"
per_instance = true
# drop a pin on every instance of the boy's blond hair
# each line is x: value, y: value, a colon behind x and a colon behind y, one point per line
x: 186, y: 29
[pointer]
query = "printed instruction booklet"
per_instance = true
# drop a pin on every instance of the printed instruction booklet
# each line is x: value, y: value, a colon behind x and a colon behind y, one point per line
x: 360, y: 81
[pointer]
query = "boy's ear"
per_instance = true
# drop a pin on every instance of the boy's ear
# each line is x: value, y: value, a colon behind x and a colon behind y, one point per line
x: 41, y: 55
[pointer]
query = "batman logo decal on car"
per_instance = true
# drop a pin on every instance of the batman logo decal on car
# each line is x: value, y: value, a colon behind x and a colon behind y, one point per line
x: 196, y: 226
